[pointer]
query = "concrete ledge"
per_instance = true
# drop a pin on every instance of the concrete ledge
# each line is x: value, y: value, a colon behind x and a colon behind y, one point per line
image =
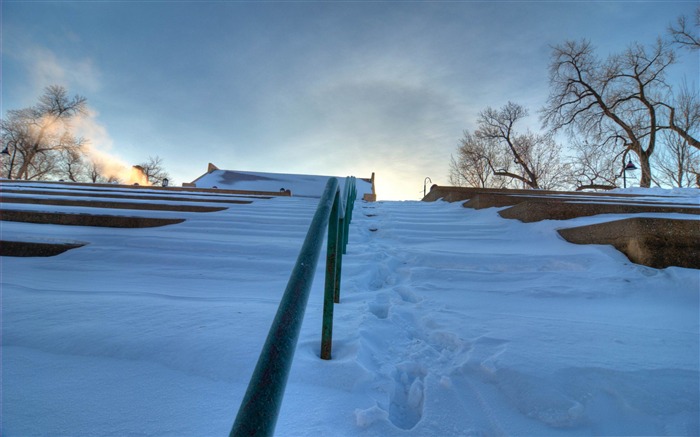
x: 652, y: 242
x: 490, y: 200
x: 450, y: 194
x: 456, y: 194
x: 149, y: 187
x: 109, y: 221
x: 115, y: 194
x: 533, y: 211
x: 26, y: 249
x: 113, y: 205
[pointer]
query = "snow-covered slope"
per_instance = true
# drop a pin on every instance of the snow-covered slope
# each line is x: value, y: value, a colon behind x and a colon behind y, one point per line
x: 452, y: 322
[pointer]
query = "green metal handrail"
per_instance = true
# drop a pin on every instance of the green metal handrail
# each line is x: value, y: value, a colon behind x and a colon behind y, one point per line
x: 263, y: 398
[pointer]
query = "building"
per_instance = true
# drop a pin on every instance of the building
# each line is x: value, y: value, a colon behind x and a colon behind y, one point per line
x: 296, y: 184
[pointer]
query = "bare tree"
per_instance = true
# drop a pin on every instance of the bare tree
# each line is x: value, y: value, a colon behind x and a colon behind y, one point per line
x: 535, y: 158
x: 473, y: 166
x: 96, y: 173
x: 684, y: 114
x: 544, y: 158
x: 39, y: 134
x: 72, y: 165
x: 616, y: 102
x: 594, y: 166
x: 153, y: 170
x: 677, y: 162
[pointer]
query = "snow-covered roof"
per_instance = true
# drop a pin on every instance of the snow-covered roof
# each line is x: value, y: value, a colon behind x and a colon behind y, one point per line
x: 298, y: 184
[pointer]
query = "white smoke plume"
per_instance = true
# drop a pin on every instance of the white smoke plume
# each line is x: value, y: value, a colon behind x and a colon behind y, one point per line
x: 98, y: 151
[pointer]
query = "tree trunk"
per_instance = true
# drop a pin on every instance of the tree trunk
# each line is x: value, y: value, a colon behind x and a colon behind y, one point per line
x: 24, y: 168
x: 645, y: 167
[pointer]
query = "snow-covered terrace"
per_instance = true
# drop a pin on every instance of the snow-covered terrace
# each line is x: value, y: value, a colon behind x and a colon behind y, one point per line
x: 452, y: 321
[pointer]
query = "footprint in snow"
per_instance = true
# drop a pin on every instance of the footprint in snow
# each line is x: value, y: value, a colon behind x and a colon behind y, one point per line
x: 380, y: 306
x: 406, y: 403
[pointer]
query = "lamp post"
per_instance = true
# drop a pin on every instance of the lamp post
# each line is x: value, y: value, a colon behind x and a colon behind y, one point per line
x: 425, y: 181
x: 628, y: 167
x: 6, y: 152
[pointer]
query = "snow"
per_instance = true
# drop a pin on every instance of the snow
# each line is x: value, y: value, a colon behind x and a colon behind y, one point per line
x: 452, y: 321
x: 692, y: 194
x: 300, y: 185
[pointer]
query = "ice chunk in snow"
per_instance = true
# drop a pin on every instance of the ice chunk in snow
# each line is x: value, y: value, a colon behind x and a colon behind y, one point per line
x: 369, y: 416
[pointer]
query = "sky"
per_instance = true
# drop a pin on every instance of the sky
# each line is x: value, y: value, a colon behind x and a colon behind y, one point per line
x: 310, y: 87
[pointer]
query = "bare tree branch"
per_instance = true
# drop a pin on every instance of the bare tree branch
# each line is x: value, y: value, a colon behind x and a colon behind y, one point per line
x: 683, y: 34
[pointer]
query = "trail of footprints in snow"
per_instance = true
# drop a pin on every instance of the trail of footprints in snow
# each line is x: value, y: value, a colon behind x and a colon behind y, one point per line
x: 416, y: 346
x: 405, y: 407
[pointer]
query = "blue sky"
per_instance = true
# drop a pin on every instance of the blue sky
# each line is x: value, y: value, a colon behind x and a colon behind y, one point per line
x: 339, y: 88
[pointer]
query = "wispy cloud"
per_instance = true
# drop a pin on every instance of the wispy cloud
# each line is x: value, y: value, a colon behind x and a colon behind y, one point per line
x: 370, y: 112
x: 45, y: 68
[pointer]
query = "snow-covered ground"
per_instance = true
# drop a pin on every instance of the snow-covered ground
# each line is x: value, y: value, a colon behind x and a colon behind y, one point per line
x: 452, y: 321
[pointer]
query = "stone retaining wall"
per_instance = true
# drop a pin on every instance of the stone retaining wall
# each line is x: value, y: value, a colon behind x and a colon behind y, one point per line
x: 654, y: 242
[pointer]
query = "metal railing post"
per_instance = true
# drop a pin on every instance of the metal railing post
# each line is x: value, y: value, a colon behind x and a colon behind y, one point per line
x: 344, y: 230
x: 350, y: 194
x: 349, y: 199
x: 331, y: 278
x: 339, y: 260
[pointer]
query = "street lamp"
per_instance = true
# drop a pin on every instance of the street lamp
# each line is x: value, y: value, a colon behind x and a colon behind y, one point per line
x: 629, y: 167
x: 6, y: 152
x: 425, y: 181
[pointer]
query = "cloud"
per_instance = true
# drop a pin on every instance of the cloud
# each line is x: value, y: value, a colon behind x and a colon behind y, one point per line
x: 44, y: 68
x: 75, y: 73
x: 398, y: 126
x: 369, y: 111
